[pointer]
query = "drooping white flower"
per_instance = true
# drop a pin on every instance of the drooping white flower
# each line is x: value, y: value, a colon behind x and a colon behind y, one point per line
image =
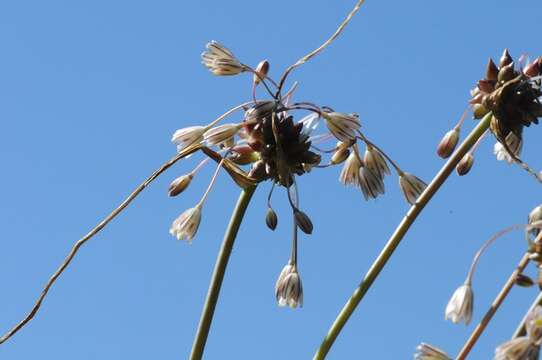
x: 186, y: 225
x: 288, y: 289
x: 411, y: 186
x: 520, y: 348
x: 460, y: 306
x: 371, y: 185
x: 350, y: 172
x: 221, y: 134
x: 428, y: 352
x: 188, y: 136
x: 375, y: 161
x: 342, y: 126
x: 221, y: 61
x: 515, y: 145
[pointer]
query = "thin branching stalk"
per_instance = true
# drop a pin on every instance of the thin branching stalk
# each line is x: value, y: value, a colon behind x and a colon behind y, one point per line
x: 521, y: 329
x: 316, y: 51
x: 218, y: 273
x: 469, y: 344
x: 88, y: 236
x: 397, y: 236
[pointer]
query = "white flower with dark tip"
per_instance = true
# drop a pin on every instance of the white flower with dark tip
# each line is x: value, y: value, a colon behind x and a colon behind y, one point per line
x: 375, y: 161
x: 515, y: 145
x: 288, y: 289
x: 186, y: 225
x: 342, y: 126
x: 221, y: 134
x: 428, y: 352
x: 188, y: 136
x: 221, y: 61
x: 411, y: 186
x: 371, y: 185
x: 459, y: 307
x: 350, y: 172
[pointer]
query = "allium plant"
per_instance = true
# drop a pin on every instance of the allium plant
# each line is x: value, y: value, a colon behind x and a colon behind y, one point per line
x: 278, y: 138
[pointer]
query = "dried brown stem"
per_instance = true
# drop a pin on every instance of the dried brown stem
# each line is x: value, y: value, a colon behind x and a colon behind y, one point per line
x: 88, y: 236
x: 469, y: 344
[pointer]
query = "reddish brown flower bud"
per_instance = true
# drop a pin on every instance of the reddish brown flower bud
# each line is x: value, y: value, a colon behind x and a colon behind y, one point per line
x: 448, y: 143
x: 506, y: 59
x: 271, y: 219
x: 303, y: 221
x: 491, y: 70
x: 532, y: 69
x: 261, y: 71
x: 465, y: 165
x: 180, y: 184
x: 486, y: 86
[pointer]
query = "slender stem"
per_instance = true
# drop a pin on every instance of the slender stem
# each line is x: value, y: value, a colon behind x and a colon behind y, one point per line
x: 521, y: 329
x: 211, y: 184
x: 487, y: 244
x: 397, y: 236
x: 469, y: 344
x: 218, y: 273
x: 315, y: 52
x: 94, y: 231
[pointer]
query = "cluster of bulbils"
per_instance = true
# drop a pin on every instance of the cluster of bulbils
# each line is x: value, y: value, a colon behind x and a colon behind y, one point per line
x: 275, y: 147
x: 460, y: 307
x: 511, y: 94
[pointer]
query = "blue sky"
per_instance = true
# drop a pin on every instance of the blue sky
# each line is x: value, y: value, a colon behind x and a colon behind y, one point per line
x: 91, y: 93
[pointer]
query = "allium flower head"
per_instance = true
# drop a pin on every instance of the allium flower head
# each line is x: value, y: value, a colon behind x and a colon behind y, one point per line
x: 428, y: 352
x: 459, y: 307
x: 188, y: 136
x: 342, y: 126
x: 288, y: 289
x: 411, y: 186
x: 221, y: 61
x: 186, y: 225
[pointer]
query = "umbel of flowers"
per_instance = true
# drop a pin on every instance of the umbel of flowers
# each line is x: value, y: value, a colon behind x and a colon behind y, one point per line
x: 510, y: 93
x: 269, y: 144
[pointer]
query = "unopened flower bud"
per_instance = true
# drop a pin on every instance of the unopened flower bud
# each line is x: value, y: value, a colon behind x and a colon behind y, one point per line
x: 464, y: 166
x: 535, y: 220
x: 303, y: 221
x: 506, y: 73
x: 524, y: 280
x: 532, y: 69
x: 261, y: 71
x: 244, y: 155
x: 506, y: 59
x: 491, y: 70
x: 486, y: 86
x: 340, y: 155
x: 479, y: 111
x: 448, y: 143
x: 257, y: 171
x: 180, y: 184
x: 271, y: 219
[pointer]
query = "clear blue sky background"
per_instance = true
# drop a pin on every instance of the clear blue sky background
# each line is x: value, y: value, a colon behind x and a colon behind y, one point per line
x: 90, y: 94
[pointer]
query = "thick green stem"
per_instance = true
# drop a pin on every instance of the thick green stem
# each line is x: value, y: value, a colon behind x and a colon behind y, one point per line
x: 397, y: 236
x: 218, y: 273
